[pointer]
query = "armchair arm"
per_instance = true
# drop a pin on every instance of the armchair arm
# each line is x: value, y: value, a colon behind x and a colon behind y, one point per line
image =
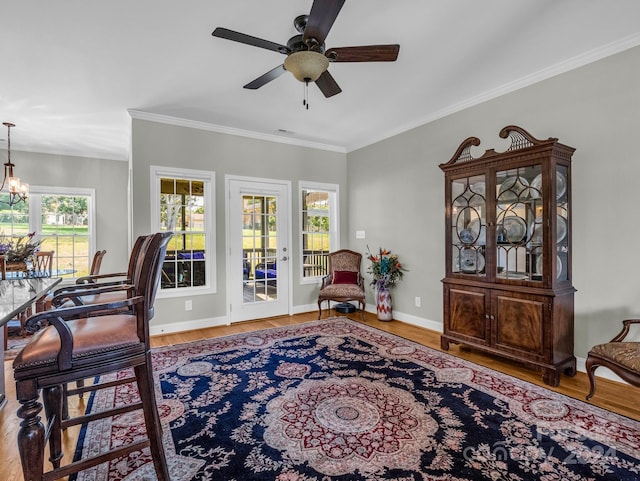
x: 326, y: 281
x: 81, y: 287
x: 626, y: 324
x: 74, y: 295
x: 57, y: 318
x: 90, y: 279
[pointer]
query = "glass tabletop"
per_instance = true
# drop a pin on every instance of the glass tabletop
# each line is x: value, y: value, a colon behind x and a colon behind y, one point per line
x: 17, y: 294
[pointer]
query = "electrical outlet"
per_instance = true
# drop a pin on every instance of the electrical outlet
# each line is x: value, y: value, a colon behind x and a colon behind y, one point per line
x: 418, y: 302
x: 188, y: 305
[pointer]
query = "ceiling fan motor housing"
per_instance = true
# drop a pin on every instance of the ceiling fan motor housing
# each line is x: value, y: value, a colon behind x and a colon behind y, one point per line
x: 297, y: 44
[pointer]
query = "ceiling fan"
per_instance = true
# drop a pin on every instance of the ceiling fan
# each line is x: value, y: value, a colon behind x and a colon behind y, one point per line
x: 307, y: 59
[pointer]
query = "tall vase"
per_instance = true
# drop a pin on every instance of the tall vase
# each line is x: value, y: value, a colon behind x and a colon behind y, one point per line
x: 383, y: 303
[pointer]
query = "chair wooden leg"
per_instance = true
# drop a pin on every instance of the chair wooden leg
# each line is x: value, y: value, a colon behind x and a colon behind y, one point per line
x: 53, y: 400
x: 31, y: 435
x: 319, y: 309
x: 146, y: 388
x: 362, y: 306
x: 591, y: 367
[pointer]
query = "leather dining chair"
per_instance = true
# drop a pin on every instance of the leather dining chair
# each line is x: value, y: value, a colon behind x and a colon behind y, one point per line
x: 96, y: 263
x: 83, y: 342
x: 45, y: 303
x: 97, y: 288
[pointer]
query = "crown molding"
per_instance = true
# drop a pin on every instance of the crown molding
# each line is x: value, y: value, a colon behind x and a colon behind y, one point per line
x: 221, y: 129
x: 561, y: 67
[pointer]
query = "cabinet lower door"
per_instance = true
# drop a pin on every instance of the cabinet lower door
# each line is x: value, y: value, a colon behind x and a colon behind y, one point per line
x: 467, y: 314
x: 518, y: 326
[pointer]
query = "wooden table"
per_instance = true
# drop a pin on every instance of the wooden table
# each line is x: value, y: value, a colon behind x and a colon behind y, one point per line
x: 15, y: 296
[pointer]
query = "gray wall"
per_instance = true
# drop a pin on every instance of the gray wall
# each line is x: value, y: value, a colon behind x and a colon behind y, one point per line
x: 169, y: 145
x: 396, y: 189
x: 107, y: 177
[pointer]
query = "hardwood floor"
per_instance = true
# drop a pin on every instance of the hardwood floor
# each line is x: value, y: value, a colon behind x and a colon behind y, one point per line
x: 610, y: 395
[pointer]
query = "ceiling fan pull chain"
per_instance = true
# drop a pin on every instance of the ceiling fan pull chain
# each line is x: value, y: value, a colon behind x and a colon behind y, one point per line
x: 305, y: 100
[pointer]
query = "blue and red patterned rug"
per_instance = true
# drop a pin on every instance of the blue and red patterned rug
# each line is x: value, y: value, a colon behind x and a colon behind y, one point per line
x: 339, y: 400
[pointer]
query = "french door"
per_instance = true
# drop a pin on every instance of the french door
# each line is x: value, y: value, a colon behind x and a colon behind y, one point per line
x: 258, y: 256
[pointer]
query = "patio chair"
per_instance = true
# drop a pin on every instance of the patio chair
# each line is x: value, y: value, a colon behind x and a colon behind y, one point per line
x: 85, y: 342
x: 344, y: 282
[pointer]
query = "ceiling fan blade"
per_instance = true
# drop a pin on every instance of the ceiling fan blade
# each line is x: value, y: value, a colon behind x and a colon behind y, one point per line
x: 323, y: 14
x: 266, y: 78
x: 327, y: 84
x: 366, y: 53
x: 249, y: 40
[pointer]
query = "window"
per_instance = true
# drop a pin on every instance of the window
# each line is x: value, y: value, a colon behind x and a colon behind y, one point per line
x: 319, y: 228
x: 63, y: 218
x: 182, y: 202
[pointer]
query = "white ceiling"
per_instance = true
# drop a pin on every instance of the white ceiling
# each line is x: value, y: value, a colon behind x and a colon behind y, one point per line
x: 73, y: 69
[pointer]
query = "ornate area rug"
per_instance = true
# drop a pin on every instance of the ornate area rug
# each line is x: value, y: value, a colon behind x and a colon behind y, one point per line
x: 339, y: 400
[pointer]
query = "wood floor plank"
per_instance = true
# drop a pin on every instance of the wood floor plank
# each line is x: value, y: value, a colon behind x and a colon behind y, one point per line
x: 610, y: 395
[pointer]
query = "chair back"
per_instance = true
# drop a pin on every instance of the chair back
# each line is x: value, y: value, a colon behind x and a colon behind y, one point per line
x: 146, y: 277
x: 97, y: 262
x: 43, y: 264
x: 136, y: 253
x: 344, y: 260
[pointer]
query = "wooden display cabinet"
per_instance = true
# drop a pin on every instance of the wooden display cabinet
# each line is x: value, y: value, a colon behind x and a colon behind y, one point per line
x: 508, y: 288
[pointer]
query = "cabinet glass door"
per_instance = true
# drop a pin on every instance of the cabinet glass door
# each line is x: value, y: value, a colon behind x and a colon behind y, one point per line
x: 519, y: 224
x: 468, y: 225
x: 562, y: 224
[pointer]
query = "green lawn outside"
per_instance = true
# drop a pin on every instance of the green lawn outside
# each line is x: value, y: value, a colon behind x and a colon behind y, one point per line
x: 67, y: 246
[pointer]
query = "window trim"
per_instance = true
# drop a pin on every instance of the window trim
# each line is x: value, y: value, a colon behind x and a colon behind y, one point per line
x: 35, y: 211
x: 208, y: 178
x: 334, y: 222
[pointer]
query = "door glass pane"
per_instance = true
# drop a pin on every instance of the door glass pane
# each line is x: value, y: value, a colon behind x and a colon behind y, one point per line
x: 259, y: 248
x: 469, y: 225
x: 519, y: 228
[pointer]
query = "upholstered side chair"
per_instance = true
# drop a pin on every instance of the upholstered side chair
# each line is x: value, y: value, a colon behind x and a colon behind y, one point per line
x: 344, y: 282
x: 622, y: 357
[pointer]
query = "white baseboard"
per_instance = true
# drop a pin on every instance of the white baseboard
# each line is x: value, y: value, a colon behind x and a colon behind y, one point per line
x: 187, y: 325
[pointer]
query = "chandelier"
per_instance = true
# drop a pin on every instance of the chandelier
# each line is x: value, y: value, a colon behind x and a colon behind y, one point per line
x: 17, y: 191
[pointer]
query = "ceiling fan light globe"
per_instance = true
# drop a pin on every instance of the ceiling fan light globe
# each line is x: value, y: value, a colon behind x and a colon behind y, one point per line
x: 306, y: 65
